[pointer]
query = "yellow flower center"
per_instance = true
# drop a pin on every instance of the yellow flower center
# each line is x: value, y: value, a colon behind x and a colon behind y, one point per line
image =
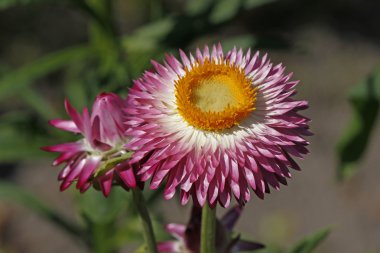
x: 215, y: 96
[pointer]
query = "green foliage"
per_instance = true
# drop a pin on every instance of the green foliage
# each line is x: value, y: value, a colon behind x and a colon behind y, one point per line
x: 20, y: 136
x: 195, y: 7
x: 39, y: 103
x: 15, y: 147
x: 76, y: 89
x: 244, y: 41
x: 12, y: 192
x: 224, y: 10
x: 107, y: 229
x: 308, y: 244
x: 14, y: 82
x: 365, y: 102
x: 99, y: 209
x: 250, y: 4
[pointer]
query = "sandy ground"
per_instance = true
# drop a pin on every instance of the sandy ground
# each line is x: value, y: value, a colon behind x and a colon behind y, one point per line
x: 328, y: 66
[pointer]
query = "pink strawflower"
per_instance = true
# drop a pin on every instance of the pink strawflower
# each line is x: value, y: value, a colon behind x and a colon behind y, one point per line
x: 215, y: 125
x: 100, y: 156
x: 188, y: 236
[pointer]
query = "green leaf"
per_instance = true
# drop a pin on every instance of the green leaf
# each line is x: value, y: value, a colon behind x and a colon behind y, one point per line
x: 13, y: 193
x: 365, y: 103
x: 250, y: 4
x: 148, y: 37
x: 16, y: 145
x: 243, y: 41
x: 308, y: 244
x: 75, y: 87
x: 156, y: 30
x: 195, y: 7
x: 224, y: 10
x: 100, y: 209
x: 141, y: 249
x: 14, y: 82
x: 39, y: 103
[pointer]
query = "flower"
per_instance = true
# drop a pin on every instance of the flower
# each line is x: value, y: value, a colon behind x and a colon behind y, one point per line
x: 213, y: 126
x: 99, y: 157
x: 188, y: 237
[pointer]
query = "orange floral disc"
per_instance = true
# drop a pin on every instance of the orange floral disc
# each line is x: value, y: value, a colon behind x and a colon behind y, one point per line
x: 215, y: 96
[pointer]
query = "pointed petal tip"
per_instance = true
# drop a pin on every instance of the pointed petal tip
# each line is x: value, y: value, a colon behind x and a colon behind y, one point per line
x: 64, y: 185
x: 46, y: 148
x: 128, y: 177
x: 242, y: 245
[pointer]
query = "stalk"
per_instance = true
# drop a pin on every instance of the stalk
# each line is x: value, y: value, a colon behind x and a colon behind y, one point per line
x: 146, y: 223
x: 208, y: 229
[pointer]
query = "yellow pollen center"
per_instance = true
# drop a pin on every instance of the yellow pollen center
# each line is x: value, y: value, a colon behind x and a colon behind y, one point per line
x: 215, y: 96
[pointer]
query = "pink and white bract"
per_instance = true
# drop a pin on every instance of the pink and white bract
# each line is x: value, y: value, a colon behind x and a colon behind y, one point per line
x: 100, y: 155
x: 188, y: 236
x: 214, y: 125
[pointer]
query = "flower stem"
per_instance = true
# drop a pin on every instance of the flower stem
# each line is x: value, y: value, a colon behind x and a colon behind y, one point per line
x: 139, y: 201
x: 208, y: 229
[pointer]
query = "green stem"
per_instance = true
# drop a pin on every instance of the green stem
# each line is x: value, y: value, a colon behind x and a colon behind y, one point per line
x: 208, y: 229
x: 139, y: 201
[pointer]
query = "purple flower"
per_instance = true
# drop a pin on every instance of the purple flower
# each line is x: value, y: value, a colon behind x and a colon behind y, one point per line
x: 99, y: 157
x: 188, y: 237
x: 215, y: 126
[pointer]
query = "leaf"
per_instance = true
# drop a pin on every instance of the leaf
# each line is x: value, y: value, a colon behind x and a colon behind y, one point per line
x: 148, y: 37
x: 156, y: 30
x: 100, y: 209
x: 250, y: 4
x: 75, y: 87
x: 13, y: 193
x: 243, y: 41
x: 39, y: 103
x: 15, y: 81
x: 224, y: 10
x: 16, y: 145
x: 195, y: 7
x: 365, y: 102
x: 308, y: 244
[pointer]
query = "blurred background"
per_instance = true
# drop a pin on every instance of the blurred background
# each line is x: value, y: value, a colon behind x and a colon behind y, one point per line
x: 52, y: 49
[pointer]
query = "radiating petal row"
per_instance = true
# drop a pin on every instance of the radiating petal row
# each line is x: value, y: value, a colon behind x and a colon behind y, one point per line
x: 216, y: 166
x: 86, y: 161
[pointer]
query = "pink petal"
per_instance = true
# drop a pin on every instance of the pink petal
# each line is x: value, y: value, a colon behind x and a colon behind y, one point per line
x: 169, y: 247
x: 91, y: 164
x: 65, y: 147
x: 74, y: 115
x: 126, y: 174
x: 177, y: 230
x: 105, y: 182
x: 67, y: 125
x: 64, y: 157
